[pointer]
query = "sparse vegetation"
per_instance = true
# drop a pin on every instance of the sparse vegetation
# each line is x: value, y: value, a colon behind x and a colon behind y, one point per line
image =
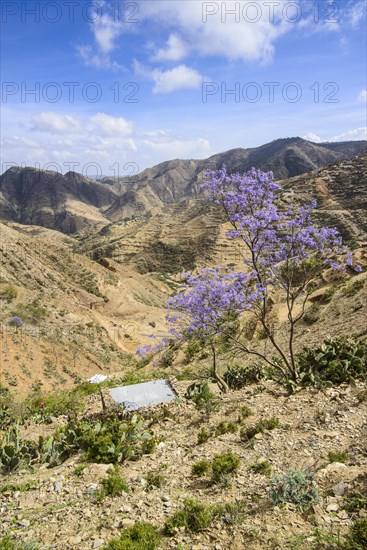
x: 9, y: 293
x: 204, y: 399
x: 336, y: 361
x: 194, y: 517
x: 337, y: 456
x: 113, y: 485
x: 224, y: 465
x: 357, y: 539
x: 265, y: 424
x: 155, y: 479
x: 141, y: 536
x: 201, y: 468
x: 296, y: 487
x: 239, y: 376
x: 263, y: 467
x: 226, y: 428
x: 353, y: 287
x: 203, y: 436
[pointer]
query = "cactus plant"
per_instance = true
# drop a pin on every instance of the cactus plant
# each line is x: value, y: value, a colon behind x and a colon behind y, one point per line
x: 14, y: 451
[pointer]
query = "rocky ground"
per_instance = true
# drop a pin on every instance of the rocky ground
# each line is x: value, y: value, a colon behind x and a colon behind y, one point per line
x: 59, y: 509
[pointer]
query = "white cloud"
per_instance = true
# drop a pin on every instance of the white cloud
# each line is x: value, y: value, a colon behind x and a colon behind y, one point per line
x: 352, y: 135
x: 357, y: 134
x: 363, y: 96
x: 113, y: 143
x: 106, y: 30
x: 175, y: 51
x: 56, y: 124
x: 109, y: 126
x: 97, y: 60
x: 249, y: 38
x: 312, y: 137
x: 178, y: 78
x: 169, y: 146
x: 357, y: 12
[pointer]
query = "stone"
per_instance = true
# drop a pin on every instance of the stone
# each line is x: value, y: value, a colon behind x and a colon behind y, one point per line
x: 97, y: 543
x: 340, y: 489
x: 58, y: 485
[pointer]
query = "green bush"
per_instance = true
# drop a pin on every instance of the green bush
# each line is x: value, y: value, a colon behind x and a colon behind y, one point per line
x: 244, y: 413
x: 203, y: 436
x: 64, y: 402
x: 223, y: 465
x: 155, y: 479
x: 337, y: 456
x: 247, y: 434
x: 232, y: 513
x: 194, y: 517
x: 113, y: 485
x: 113, y: 441
x: 141, y: 536
x: 336, y: 361
x: 264, y: 468
x: 204, y: 399
x: 201, y: 468
x: 356, y: 500
x: 295, y: 487
x: 239, y: 376
x: 226, y: 428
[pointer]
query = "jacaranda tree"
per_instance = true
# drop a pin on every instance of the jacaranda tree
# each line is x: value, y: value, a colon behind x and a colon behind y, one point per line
x: 283, y: 252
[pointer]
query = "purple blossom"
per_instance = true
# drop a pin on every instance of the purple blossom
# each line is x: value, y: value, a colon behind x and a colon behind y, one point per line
x: 143, y: 350
x: 283, y: 250
x: 16, y: 321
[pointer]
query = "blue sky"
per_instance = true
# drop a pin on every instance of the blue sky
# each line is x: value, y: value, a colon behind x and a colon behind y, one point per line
x: 120, y: 86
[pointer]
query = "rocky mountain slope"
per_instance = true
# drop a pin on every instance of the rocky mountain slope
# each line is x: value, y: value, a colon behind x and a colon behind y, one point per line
x: 71, y: 202
x: 189, y: 233
x: 91, y: 299
x: 65, y: 203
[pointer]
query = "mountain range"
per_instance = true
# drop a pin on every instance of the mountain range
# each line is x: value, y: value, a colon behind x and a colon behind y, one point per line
x: 72, y: 202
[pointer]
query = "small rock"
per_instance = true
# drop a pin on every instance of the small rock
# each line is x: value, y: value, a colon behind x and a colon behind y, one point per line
x: 340, y: 489
x: 97, y: 543
x: 258, y: 436
x: 58, y: 485
x: 165, y: 498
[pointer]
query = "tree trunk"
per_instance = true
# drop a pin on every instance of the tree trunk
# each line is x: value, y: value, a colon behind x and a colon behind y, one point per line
x: 223, y: 386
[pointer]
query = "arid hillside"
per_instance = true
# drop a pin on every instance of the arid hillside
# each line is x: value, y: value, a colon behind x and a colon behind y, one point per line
x: 89, y: 300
